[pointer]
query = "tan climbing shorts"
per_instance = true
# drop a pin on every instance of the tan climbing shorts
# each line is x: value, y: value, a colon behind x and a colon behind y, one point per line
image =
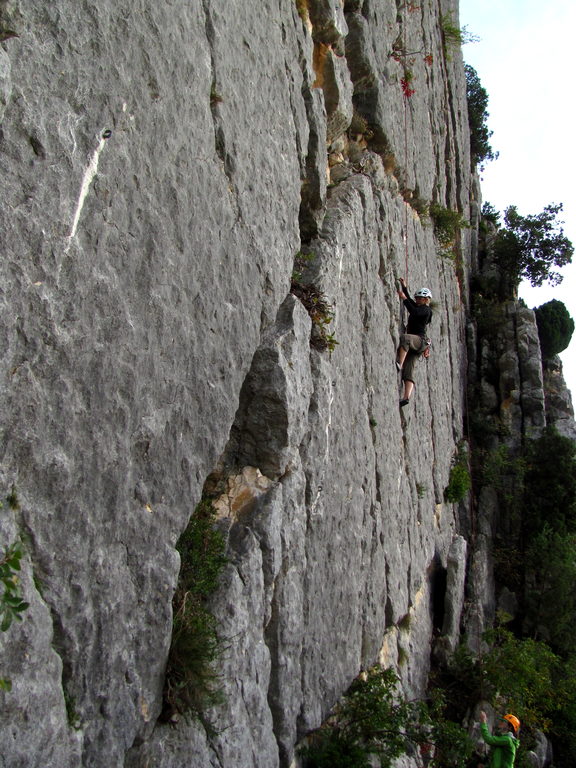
x: 415, y: 346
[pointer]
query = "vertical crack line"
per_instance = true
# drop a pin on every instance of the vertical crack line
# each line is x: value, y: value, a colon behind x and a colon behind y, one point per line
x: 215, y: 99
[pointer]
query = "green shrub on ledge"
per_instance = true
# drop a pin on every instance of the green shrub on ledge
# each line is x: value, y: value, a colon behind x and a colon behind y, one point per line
x: 459, y: 482
x: 191, y: 678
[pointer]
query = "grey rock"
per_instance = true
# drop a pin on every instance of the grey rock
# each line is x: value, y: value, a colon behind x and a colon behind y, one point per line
x: 543, y: 750
x: 454, y: 600
x: 5, y: 82
x: 164, y: 164
x: 337, y: 88
x: 558, y: 399
x: 328, y: 21
x: 339, y: 173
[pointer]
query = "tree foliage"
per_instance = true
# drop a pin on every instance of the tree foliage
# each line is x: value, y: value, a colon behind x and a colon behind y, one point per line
x: 550, y: 593
x: 550, y: 484
x: 373, y: 719
x: 549, y: 540
x: 524, y: 672
x: 11, y: 603
x: 528, y: 247
x: 477, y: 97
x: 520, y: 675
x: 555, y: 327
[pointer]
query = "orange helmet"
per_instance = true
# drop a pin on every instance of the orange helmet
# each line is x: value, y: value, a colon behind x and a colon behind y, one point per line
x: 513, y: 720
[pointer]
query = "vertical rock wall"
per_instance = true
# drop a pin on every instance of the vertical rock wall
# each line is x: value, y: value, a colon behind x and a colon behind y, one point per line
x: 163, y: 164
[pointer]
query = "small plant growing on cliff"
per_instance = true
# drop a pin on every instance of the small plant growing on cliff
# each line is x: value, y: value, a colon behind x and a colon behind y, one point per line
x: 191, y: 681
x: 459, y: 482
x: 303, y: 10
x: 74, y: 719
x: 454, y: 36
x: 11, y: 603
x: 215, y: 96
x: 316, y: 304
x: 405, y: 84
x: 301, y: 262
x: 447, y: 224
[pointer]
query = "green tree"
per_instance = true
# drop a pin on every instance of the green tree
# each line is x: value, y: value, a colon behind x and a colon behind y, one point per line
x: 524, y: 676
x: 548, y: 565
x: 372, y: 718
x: 550, y: 484
x: 477, y: 97
x: 490, y: 213
x: 519, y: 674
x: 563, y: 723
x: 555, y: 327
x: 550, y: 593
x: 528, y: 247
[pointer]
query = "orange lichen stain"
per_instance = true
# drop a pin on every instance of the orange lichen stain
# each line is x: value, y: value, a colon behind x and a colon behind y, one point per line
x: 319, y: 61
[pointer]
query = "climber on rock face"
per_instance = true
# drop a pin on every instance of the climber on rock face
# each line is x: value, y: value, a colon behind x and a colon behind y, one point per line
x: 505, y: 745
x: 413, y: 343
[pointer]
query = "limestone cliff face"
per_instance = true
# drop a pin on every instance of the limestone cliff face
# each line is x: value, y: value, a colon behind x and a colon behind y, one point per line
x: 163, y: 164
x: 558, y: 398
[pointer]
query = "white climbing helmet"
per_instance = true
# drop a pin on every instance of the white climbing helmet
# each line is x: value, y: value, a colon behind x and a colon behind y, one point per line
x: 424, y: 293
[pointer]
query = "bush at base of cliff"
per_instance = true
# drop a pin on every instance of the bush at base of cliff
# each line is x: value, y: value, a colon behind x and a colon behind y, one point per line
x: 373, y: 720
x: 191, y: 678
x: 330, y: 749
x: 519, y: 675
x: 555, y: 327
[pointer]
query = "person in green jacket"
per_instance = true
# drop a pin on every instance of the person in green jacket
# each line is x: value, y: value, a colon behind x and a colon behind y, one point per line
x: 505, y: 745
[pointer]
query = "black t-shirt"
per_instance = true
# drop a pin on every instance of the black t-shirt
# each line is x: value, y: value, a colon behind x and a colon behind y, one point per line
x: 419, y: 315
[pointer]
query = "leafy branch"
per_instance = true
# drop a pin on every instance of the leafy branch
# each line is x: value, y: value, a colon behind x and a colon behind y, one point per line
x: 11, y: 603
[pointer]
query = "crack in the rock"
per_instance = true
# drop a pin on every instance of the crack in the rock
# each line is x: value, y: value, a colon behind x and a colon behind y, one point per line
x: 220, y: 144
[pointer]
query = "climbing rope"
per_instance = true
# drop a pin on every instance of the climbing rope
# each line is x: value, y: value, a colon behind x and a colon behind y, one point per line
x: 407, y: 92
x: 405, y: 99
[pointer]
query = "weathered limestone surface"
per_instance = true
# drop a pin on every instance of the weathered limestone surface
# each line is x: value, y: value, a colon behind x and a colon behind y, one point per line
x: 559, y: 408
x: 162, y: 165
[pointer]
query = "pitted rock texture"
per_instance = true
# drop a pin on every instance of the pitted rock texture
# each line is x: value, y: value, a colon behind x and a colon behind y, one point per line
x: 164, y: 164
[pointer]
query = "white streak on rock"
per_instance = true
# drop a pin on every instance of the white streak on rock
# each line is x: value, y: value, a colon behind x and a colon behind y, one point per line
x: 89, y: 174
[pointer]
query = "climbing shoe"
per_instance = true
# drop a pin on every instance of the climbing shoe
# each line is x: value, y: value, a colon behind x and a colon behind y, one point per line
x: 404, y: 402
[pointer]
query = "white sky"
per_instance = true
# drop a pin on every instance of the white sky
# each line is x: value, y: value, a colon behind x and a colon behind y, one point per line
x: 525, y: 61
